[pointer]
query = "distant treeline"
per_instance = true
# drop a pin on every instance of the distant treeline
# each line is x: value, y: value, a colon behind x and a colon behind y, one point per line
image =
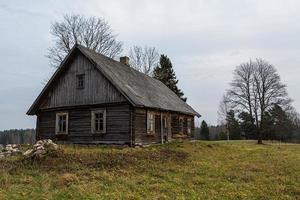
x: 17, y: 136
x: 219, y: 132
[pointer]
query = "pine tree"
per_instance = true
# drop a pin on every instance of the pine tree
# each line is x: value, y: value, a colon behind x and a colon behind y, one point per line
x: 276, y: 125
x: 204, y: 132
x: 164, y: 72
x: 246, y: 125
x: 233, y: 126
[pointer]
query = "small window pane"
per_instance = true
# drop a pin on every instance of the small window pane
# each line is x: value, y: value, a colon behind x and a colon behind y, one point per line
x: 181, y: 125
x: 80, y: 81
x: 62, y: 123
x: 150, y: 122
x: 165, y: 122
x: 189, y: 126
x: 99, y: 121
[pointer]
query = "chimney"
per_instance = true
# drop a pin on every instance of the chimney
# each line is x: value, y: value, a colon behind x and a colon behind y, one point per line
x: 124, y: 60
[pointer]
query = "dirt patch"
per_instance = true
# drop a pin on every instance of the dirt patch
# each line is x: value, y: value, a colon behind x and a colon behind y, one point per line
x: 66, y: 179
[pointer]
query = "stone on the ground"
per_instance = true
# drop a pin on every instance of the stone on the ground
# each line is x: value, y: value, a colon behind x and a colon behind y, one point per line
x: 9, y: 150
x: 28, y: 152
x: 41, y: 148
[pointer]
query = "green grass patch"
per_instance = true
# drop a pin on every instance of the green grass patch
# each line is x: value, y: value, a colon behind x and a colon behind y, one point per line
x: 188, y: 170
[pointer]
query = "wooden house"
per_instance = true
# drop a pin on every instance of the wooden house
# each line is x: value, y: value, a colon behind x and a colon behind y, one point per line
x: 94, y: 99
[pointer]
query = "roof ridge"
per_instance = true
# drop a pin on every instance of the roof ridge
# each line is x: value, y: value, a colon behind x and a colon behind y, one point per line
x: 136, y: 73
x: 111, y: 59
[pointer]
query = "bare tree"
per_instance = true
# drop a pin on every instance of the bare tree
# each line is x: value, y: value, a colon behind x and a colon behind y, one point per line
x: 240, y: 92
x: 144, y: 59
x: 94, y: 33
x: 255, y: 89
x: 270, y: 91
x: 223, y: 110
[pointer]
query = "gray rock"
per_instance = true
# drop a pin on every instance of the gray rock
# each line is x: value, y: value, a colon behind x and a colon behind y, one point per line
x: 28, y: 153
x: 41, y: 148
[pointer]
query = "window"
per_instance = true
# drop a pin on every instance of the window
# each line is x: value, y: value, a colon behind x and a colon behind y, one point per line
x: 165, y: 122
x: 80, y: 81
x: 150, y: 123
x: 181, y: 125
x: 189, y: 126
x: 61, y: 123
x: 99, y: 121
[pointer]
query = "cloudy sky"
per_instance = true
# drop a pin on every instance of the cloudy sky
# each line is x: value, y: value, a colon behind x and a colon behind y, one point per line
x: 205, y: 40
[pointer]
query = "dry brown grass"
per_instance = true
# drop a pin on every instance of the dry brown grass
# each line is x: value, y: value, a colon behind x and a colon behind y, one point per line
x: 199, y: 170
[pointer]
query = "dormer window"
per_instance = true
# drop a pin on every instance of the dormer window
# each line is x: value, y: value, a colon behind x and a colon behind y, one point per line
x: 80, y: 81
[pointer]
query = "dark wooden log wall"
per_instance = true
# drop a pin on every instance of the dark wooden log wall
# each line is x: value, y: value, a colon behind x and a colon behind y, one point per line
x: 140, y: 128
x: 117, y: 125
x: 97, y: 88
x: 140, y: 125
x: 175, y: 126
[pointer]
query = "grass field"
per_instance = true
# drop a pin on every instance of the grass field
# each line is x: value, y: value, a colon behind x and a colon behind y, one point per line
x: 188, y: 170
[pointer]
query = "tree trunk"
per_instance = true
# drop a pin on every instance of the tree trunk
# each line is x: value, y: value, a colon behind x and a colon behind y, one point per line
x: 259, y: 135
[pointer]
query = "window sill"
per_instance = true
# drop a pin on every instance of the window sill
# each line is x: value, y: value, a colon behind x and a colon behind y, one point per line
x: 98, y: 133
x: 60, y: 133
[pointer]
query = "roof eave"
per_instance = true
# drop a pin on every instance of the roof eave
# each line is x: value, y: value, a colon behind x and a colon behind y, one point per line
x: 186, y: 113
x: 32, y: 109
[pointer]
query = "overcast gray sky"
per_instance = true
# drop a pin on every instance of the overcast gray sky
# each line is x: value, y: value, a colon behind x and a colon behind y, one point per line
x: 205, y: 40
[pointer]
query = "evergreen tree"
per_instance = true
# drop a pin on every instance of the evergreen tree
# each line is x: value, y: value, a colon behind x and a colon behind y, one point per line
x: 276, y: 125
x: 233, y: 126
x: 164, y: 72
x: 247, y: 126
x: 204, y: 132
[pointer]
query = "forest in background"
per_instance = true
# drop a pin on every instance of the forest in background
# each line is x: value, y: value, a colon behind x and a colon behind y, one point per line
x: 17, y: 136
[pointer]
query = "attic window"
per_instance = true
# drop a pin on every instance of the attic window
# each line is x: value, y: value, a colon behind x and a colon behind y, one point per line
x: 80, y: 81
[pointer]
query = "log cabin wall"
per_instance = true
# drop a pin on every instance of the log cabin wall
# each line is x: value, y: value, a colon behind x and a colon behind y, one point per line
x: 79, y: 125
x: 97, y: 89
x: 140, y: 128
x: 170, y: 132
x: 176, y: 127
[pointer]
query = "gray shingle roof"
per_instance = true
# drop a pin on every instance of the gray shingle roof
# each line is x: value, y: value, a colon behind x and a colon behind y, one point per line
x: 140, y: 89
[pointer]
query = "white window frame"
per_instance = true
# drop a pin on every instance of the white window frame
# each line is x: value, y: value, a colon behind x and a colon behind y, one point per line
x: 181, y: 126
x: 150, y: 122
x: 165, y: 122
x: 93, y: 112
x: 57, y: 131
x: 189, y: 125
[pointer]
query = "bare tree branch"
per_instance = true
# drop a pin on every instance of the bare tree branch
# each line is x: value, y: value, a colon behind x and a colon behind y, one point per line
x: 144, y: 59
x: 255, y: 89
x: 94, y: 33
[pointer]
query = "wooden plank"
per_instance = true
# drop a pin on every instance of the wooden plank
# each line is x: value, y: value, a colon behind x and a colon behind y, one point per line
x: 97, y: 89
x: 117, y: 122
